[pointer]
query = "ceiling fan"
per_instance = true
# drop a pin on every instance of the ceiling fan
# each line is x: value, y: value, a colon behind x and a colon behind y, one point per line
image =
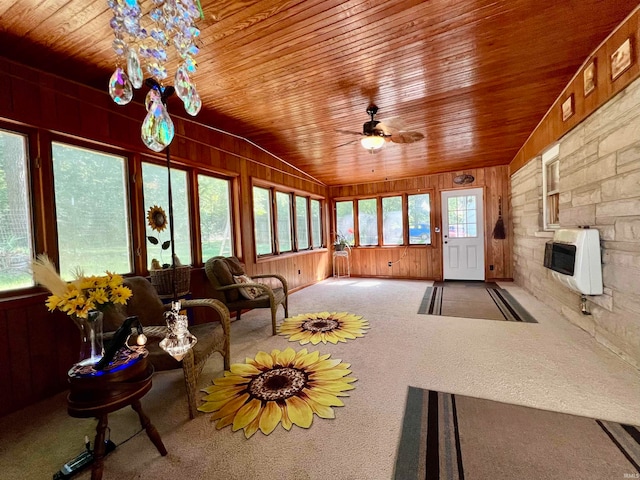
x: 375, y: 133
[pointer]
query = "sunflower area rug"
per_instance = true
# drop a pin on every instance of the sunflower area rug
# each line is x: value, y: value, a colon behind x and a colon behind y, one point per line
x: 324, y: 327
x: 282, y: 387
x: 446, y: 436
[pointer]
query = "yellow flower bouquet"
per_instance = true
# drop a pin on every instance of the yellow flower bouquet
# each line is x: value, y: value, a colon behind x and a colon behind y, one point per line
x: 83, y: 294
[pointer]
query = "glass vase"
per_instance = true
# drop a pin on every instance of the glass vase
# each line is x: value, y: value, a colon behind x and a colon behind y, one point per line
x: 91, y: 347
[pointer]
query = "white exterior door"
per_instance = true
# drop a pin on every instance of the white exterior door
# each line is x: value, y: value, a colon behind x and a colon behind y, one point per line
x: 463, y: 234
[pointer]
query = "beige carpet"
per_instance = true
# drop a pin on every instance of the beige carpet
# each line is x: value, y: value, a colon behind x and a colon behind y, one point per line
x: 551, y: 365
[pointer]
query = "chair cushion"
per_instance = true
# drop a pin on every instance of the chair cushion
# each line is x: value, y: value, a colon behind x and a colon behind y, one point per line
x: 235, y: 267
x: 224, y: 276
x: 247, y: 292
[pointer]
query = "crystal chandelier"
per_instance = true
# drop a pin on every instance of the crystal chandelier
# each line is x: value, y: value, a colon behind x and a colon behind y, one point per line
x: 144, y: 40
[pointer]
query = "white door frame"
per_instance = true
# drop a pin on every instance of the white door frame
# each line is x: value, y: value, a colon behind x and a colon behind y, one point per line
x: 463, y: 257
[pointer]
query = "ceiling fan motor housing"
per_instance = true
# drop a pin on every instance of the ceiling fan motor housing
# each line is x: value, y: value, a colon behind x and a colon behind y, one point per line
x: 369, y: 129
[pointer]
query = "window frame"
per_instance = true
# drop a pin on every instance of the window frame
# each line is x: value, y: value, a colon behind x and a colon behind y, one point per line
x: 550, y: 157
x: 293, y: 195
x: 379, y: 199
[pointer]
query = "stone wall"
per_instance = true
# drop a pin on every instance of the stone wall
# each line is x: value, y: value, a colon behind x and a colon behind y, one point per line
x: 600, y: 187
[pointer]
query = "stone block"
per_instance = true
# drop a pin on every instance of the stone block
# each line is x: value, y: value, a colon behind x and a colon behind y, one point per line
x: 604, y: 301
x: 576, y: 216
x: 628, y: 159
x: 573, y: 180
x: 624, y: 259
x: 618, y: 208
x: 628, y: 229
x: 621, y: 246
x: 605, y: 220
x: 565, y: 197
x: 607, y: 232
x: 623, y: 136
x: 584, y: 196
x: 602, y: 168
x: 573, y: 141
x: 627, y: 302
x: 620, y: 278
x: 622, y: 186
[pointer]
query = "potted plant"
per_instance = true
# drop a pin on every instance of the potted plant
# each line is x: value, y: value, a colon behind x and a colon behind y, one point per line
x: 340, y: 243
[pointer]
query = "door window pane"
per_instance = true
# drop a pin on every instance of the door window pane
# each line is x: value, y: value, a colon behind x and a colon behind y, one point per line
x: 262, y: 220
x: 91, y: 211
x: 462, y: 216
x: 316, y: 224
x: 16, y: 246
x: 283, y: 204
x: 344, y: 220
x: 419, y: 211
x: 368, y: 221
x: 302, y: 225
x: 155, y: 185
x: 392, y: 220
x: 216, y: 235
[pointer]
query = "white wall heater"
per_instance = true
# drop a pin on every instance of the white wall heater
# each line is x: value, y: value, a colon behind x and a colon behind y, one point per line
x: 574, y: 258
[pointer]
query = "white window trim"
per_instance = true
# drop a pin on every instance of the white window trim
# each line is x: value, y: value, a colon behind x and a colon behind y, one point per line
x: 549, y: 156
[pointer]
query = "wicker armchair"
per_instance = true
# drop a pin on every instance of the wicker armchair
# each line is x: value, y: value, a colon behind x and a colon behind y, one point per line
x: 147, y: 306
x: 221, y: 271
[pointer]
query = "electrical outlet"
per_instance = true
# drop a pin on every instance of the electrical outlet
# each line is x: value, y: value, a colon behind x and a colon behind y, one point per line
x: 390, y: 263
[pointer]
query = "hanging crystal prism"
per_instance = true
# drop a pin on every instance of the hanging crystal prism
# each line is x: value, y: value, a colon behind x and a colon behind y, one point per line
x: 152, y: 96
x: 182, y: 83
x: 133, y: 68
x: 192, y: 104
x: 120, y: 87
x: 157, y: 129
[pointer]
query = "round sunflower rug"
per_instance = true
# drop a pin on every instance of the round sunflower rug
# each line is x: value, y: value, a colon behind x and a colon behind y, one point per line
x: 285, y: 387
x: 324, y: 327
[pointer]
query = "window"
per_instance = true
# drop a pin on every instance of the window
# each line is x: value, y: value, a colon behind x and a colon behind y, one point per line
x: 155, y: 185
x: 262, y: 220
x: 283, y: 206
x: 16, y: 246
x: 551, y: 188
x: 302, y: 224
x: 419, y: 212
x: 344, y: 220
x: 463, y: 218
x: 216, y: 228
x: 368, y: 221
x: 316, y: 224
x: 91, y: 211
x: 392, y: 221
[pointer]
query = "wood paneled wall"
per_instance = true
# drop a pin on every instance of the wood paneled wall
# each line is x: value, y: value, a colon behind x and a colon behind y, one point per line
x: 37, y: 347
x: 552, y: 127
x: 426, y: 261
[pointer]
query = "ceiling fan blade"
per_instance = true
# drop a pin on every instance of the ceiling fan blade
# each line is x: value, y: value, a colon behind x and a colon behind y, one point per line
x: 349, y: 132
x: 352, y: 142
x: 394, y: 124
x: 406, y: 137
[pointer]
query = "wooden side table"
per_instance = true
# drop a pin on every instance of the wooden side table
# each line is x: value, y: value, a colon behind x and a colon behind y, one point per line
x: 97, y: 395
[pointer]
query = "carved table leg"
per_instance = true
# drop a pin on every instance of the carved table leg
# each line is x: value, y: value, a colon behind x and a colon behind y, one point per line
x: 99, y: 448
x: 152, y: 433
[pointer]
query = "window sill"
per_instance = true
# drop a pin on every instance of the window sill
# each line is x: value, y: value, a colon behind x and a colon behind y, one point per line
x: 273, y: 258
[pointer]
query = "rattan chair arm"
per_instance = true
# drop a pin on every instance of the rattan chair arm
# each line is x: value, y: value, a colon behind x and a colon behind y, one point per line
x: 262, y: 286
x: 285, y: 287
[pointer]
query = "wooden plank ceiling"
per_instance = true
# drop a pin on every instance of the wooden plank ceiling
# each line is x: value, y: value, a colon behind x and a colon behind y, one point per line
x: 473, y: 76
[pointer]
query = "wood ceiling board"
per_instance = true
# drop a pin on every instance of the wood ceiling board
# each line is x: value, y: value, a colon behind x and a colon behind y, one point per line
x: 475, y: 77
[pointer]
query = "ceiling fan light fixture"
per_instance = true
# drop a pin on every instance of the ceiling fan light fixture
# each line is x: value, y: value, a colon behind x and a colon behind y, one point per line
x: 372, y: 142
